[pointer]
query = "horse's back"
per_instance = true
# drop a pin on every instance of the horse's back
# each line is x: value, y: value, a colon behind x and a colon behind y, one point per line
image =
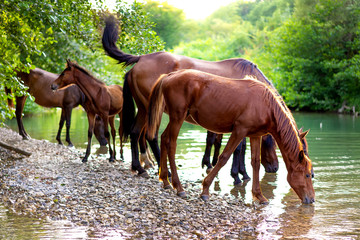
x: 214, y: 102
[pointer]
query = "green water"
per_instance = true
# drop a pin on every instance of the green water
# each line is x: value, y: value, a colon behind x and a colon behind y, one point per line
x: 334, y: 142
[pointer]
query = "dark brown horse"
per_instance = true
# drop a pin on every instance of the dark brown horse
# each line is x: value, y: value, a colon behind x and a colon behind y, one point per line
x: 246, y: 108
x: 105, y: 101
x: 38, y: 82
x: 141, y: 78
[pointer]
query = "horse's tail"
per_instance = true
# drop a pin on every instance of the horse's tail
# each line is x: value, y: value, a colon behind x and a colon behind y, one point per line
x: 110, y: 36
x: 156, y: 107
x: 128, y: 112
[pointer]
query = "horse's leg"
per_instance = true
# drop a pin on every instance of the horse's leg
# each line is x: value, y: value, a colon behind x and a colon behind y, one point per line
x: 113, y: 134
x: 217, y: 146
x: 174, y: 129
x: 242, y: 168
x: 68, y: 111
x: 20, y: 103
x: 154, y: 145
x: 255, y: 162
x: 61, y: 124
x: 134, y: 141
x: 236, y: 166
x: 121, y: 143
x: 230, y: 147
x: 91, y: 120
x: 210, y: 139
x: 145, y: 158
x: 163, y: 169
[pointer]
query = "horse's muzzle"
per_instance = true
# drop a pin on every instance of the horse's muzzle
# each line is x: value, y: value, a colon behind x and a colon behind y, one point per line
x: 308, y: 200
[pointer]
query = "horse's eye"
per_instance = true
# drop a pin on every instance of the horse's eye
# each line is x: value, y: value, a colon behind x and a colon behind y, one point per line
x: 308, y: 175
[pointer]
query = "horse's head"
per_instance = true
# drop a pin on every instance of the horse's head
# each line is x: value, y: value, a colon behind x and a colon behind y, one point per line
x: 300, y: 178
x: 302, y: 136
x: 99, y: 131
x: 269, y: 158
x: 65, y: 78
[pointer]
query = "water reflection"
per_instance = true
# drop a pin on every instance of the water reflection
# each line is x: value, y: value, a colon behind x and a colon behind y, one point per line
x: 334, y: 142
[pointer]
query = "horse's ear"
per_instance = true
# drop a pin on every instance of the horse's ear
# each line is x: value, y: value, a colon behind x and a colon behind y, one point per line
x: 68, y: 63
x: 303, y: 134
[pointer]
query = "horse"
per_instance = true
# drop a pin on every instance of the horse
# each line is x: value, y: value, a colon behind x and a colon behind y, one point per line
x: 104, y: 101
x: 38, y: 82
x: 246, y: 108
x: 143, y: 75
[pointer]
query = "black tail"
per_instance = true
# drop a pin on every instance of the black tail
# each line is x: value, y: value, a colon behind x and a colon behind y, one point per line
x: 128, y: 112
x: 110, y: 36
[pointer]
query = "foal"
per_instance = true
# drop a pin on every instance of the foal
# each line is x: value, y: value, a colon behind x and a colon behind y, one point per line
x: 105, y: 101
x: 246, y: 108
x: 38, y: 81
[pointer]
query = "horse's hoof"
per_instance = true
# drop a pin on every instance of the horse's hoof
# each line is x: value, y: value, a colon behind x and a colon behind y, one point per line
x: 182, y: 194
x: 148, y: 166
x: 167, y: 187
x: 238, y: 184
x: 208, y: 170
x: 245, y: 179
x: 144, y: 175
x: 84, y: 160
x: 111, y: 160
x: 205, y: 198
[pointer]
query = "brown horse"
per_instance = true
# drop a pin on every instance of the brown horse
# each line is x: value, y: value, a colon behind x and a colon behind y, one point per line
x: 242, y: 107
x: 38, y: 82
x: 105, y: 101
x: 141, y: 78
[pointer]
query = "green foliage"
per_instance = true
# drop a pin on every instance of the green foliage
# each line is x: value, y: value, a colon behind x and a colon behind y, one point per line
x: 44, y: 33
x: 317, y: 55
x: 136, y: 36
x: 168, y: 21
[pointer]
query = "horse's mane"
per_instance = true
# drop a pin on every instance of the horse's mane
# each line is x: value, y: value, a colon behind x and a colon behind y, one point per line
x: 286, y: 125
x: 250, y: 68
x: 74, y: 64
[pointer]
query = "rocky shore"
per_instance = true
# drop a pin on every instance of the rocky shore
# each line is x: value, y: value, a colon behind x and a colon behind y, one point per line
x: 54, y: 184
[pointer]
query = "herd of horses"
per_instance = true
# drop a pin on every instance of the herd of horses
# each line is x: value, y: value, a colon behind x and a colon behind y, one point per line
x: 230, y: 96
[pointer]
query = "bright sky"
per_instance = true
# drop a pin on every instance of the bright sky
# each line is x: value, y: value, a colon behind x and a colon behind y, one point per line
x: 194, y: 9
x: 198, y: 9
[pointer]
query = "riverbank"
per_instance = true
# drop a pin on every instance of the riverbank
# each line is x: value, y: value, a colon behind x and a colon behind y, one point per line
x: 54, y: 184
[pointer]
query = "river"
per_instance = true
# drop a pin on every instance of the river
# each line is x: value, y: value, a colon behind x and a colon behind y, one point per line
x: 333, y: 140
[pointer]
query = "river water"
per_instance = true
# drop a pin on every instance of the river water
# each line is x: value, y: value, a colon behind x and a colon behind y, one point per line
x: 334, y: 142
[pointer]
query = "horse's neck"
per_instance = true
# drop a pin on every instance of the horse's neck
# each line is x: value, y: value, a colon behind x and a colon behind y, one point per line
x: 89, y: 86
x: 287, y: 138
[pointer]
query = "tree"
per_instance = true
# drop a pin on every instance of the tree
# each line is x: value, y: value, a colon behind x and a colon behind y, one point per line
x: 168, y: 21
x: 44, y: 33
x: 317, y: 55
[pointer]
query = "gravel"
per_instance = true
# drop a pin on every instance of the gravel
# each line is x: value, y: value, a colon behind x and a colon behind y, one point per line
x: 54, y: 184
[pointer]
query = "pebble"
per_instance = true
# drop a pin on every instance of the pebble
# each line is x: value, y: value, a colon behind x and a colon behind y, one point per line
x: 54, y: 184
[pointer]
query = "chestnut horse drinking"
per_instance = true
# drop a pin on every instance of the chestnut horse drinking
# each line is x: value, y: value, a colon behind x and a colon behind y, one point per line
x: 105, y: 101
x: 141, y: 78
x: 38, y: 82
x: 244, y: 108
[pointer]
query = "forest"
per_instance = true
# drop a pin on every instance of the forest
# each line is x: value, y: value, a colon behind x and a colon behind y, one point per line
x: 309, y: 49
